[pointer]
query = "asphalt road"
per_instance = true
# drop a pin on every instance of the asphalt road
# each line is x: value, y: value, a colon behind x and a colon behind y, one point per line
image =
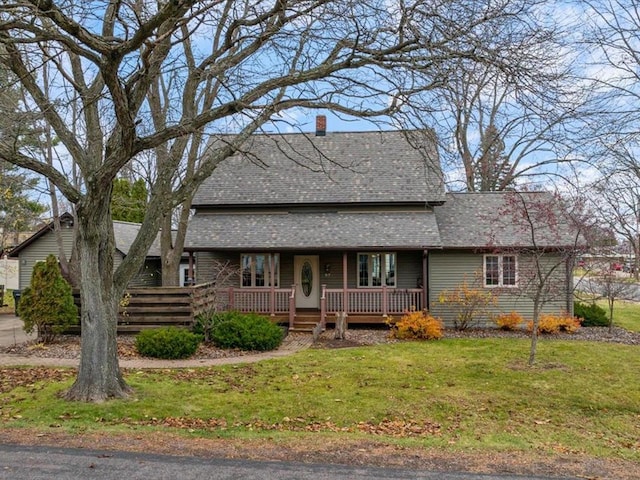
x: 40, y: 463
x: 626, y: 291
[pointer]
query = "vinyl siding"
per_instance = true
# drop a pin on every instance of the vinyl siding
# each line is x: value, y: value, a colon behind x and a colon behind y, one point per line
x: 39, y: 250
x: 149, y: 275
x: 409, y: 268
x: 448, y: 269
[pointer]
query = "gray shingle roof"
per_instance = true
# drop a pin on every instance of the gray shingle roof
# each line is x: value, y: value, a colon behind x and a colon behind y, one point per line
x: 126, y: 232
x: 313, y: 230
x: 390, y: 166
x: 481, y: 220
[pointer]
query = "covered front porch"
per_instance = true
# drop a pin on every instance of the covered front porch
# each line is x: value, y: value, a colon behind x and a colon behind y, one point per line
x: 368, y: 286
x: 362, y: 306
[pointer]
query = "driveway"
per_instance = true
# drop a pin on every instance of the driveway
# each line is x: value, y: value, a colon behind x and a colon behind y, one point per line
x: 11, y: 331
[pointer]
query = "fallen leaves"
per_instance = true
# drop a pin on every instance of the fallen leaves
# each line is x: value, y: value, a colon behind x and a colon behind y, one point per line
x: 387, y: 427
x: 11, y: 378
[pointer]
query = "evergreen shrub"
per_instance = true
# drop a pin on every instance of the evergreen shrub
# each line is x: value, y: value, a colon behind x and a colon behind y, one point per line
x: 168, y: 343
x: 248, y: 331
x: 46, y: 305
x: 592, y: 315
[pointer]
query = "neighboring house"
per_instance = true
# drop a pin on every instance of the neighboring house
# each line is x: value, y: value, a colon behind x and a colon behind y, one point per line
x: 325, y: 223
x: 37, y: 247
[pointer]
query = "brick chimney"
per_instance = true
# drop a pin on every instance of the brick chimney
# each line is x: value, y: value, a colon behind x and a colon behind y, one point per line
x: 321, y: 125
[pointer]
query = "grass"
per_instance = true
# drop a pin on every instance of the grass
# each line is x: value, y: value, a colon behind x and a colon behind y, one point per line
x: 625, y: 314
x: 450, y: 394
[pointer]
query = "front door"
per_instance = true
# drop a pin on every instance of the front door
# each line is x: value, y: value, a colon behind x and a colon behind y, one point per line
x: 307, y: 279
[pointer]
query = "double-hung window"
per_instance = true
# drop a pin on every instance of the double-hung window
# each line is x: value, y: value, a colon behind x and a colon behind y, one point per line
x: 500, y: 270
x: 257, y: 267
x: 376, y: 269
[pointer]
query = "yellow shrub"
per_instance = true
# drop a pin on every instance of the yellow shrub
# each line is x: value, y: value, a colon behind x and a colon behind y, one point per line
x: 417, y: 325
x: 508, y: 321
x: 556, y: 323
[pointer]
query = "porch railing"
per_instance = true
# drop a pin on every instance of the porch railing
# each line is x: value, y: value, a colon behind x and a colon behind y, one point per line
x: 355, y: 301
x: 373, y: 300
x: 262, y: 300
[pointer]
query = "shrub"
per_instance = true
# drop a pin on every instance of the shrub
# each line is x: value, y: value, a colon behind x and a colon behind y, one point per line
x: 47, y: 303
x: 468, y: 302
x: 418, y: 326
x: 551, y: 324
x: 592, y: 315
x: 206, y: 322
x: 168, y: 343
x: 508, y: 321
x: 246, y: 332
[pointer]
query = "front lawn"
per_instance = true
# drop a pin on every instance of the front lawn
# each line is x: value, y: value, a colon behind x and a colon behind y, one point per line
x: 452, y: 395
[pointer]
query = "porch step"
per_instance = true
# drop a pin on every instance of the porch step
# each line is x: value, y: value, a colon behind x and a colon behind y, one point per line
x: 303, y: 326
x: 305, y: 322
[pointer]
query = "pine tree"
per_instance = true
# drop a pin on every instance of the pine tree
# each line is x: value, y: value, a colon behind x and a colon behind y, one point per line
x: 47, y: 304
x: 128, y: 200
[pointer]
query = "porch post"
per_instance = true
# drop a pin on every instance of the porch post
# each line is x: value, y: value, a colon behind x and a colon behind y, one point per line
x: 272, y: 291
x: 231, y: 299
x: 345, y: 284
x: 385, y: 304
x: 425, y: 299
x: 323, y: 307
x: 191, y: 281
x: 292, y: 306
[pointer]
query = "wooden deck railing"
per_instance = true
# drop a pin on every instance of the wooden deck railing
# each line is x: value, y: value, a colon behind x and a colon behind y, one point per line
x: 373, y: 300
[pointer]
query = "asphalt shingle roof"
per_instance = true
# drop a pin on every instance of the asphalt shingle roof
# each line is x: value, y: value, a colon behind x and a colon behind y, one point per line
x: 313, y: 230
x: 126, y: 232
x: 481, y: 220
x: 355, y: 167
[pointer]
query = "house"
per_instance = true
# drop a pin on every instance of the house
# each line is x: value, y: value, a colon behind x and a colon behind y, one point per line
x: 42, y: 243
x: 351, y: 222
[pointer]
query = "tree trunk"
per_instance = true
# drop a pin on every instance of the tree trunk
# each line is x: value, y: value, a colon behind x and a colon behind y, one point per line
x: 99, y: 377
x: 611, y: 300
x: 534, y: 334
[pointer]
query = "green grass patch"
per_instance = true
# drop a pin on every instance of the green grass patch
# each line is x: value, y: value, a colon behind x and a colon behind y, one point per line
x: 625, y: 314
x: 452, y: 394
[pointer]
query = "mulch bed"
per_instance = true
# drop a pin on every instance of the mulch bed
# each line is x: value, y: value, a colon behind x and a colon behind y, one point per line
x: 68, y: 346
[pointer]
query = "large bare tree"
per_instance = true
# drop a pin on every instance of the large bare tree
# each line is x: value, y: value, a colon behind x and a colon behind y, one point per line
x: 497, y: 129
x: 232, y: 66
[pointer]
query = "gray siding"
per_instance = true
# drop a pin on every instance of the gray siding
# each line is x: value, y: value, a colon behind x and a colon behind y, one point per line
x: 39, y: 250
x: 448, y: 269
x: 149, y: 275
x: 409, y: 267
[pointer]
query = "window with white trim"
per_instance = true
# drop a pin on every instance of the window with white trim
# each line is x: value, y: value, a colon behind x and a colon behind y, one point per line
x: 257, y: 267
x: 376, y: 269
x: 500, y: 270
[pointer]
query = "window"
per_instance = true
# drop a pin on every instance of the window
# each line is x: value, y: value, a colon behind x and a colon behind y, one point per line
x: 376, y: 269
x: 500, y: 270
x: 256, y: 269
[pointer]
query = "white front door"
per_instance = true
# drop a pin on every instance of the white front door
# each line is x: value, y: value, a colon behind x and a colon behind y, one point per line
x: 307, y: 279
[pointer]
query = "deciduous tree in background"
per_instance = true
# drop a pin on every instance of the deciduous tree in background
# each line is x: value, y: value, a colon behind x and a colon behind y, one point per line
x: 552, y: 237
x: 232, y: 66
